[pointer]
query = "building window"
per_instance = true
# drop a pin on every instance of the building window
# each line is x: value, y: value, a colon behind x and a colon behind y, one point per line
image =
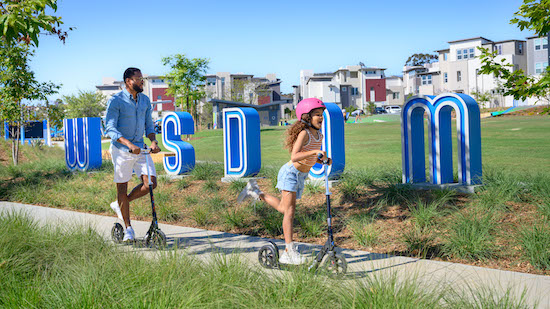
x: 444, y: 56
x: 458, y: 76
x: 426, y: 79
x: 396, y: 95
x: 354, y: 91
x: 445, y: 79
x: 541, y: 44
x: 371, y: 72
x: 472, y: 53
x: 520, y: 48
x: 458, y: 54
x: 498, y: 49
x: 211, y: 81
x: 353, y: 75
x: 540, y: 67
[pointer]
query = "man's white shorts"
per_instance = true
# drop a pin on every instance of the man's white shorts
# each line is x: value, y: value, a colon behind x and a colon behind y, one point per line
x: 127, y: 163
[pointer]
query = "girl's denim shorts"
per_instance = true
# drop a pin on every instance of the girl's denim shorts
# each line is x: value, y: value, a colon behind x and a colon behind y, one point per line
x: 291, y: 179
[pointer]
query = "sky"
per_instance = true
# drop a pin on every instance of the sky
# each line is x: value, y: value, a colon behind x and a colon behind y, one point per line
x: 258, y: 37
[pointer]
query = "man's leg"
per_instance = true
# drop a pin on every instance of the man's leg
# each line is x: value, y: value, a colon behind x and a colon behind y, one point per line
x: 124, y: 204
x: 142, y: 189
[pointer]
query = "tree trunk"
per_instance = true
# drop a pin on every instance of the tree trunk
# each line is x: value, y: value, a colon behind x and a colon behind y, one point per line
x: 15, y: 145
x: 187, y: 102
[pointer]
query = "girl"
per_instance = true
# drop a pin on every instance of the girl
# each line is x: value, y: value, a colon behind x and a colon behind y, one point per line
x: 303, y: 141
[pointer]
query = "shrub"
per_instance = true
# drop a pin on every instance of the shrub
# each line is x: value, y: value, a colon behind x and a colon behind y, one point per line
x: 211, y: 186
x: 535, y: 243
x: 312, y: 225
x: 471, y: 236
x: 183, y: 183
x: 424, y: 213
x: 364, y: 232
x: 419, y: 241
x: 237, y: 185
x: 205, y: 171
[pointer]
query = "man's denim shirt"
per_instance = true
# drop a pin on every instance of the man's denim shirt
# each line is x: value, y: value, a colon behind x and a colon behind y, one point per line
x: 125, y: 118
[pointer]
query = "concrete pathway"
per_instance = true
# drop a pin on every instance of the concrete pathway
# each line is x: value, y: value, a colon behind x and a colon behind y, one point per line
x: 203, y: 243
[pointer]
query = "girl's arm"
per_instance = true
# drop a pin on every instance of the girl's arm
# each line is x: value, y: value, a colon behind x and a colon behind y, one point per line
x: 297, y: 153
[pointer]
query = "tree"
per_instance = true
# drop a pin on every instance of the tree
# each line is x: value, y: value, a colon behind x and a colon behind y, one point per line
x: 420, y: 59
x: 85, y: 104
x: 17, y: 83
x: 482, y: 98
x: 186, y: 80
x: 23, y: 21
x: 532, y: 15
x: 21, y: 24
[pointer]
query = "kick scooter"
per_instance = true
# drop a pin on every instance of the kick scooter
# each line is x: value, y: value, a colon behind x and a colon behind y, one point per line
x: 335, y: 263
x: 154, y: 236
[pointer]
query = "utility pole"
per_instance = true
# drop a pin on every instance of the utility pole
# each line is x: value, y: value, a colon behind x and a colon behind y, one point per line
x: 363, y: 97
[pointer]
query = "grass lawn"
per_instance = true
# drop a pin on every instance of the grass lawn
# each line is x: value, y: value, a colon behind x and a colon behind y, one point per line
x: 517, y: 143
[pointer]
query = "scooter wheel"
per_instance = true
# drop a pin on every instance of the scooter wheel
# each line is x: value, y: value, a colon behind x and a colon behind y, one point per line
x: 268, y: 257
x: 117, y: 233
x: 158, y: 240
x: 336, y: 266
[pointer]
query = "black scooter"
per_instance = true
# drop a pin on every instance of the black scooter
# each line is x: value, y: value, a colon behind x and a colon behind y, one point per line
x: 154, y: 237
x: 335, y: 263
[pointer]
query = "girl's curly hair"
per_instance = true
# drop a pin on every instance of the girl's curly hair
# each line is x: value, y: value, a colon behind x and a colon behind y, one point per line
x: 294, y: 130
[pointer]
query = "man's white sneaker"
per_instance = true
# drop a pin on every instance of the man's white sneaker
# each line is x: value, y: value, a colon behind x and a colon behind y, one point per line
x: 116, y: 209
x: 129, y: 234
x: 250, y: 191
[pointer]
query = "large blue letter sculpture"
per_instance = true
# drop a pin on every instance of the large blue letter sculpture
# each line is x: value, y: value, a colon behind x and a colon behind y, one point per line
x: 333, y: 143
x: 82, y: 143
x: 438, y: 110
x: 175, y: 124
x: 241, y: 142
x: 30, y: 130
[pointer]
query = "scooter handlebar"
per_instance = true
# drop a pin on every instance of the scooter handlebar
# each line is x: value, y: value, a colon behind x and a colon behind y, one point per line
x: 320, y: 156
x: 144, y: 150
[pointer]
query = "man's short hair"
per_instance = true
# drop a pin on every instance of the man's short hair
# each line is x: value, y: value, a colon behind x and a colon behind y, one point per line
x: 129, y: 73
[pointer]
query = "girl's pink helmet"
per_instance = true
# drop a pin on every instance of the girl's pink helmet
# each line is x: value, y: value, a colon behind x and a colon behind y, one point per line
x: 307, y: 105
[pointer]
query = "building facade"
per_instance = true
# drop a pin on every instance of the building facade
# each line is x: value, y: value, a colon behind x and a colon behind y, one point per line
x: 457, y: 70
x: 244, y: 88
x: 352, y: 86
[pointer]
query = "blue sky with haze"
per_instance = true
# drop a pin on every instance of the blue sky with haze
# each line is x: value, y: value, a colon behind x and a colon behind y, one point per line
x: 259, y: 37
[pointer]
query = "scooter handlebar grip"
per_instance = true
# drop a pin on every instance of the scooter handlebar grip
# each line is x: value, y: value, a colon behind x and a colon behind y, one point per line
x: 320, y: 156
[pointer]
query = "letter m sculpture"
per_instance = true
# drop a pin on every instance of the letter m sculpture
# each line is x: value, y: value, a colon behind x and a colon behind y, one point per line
x: 439, y: 111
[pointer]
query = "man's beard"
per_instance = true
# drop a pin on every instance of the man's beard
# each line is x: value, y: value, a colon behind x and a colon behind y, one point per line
x: 137, y: 88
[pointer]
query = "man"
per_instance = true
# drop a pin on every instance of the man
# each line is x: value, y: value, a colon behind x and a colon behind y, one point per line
x: 128, y: 117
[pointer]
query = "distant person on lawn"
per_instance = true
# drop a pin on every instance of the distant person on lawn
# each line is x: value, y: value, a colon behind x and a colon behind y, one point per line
x: 128, y: 117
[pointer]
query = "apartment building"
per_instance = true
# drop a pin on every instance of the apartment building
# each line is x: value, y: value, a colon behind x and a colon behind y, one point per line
x: 457, y: 70
x: 537, y: 55
x: 347, y: 86
x: 394, y: 90
x: 244, y: 88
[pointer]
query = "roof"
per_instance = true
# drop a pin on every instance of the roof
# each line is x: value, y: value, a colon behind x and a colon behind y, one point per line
x: 536, y: 37
x: 428, y: 73
x: 414, y: 68
x: 508, y: 41
x: 372, y: 68
x: 470, y: 39
x: 442, y: 50
x: 239, y: 104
